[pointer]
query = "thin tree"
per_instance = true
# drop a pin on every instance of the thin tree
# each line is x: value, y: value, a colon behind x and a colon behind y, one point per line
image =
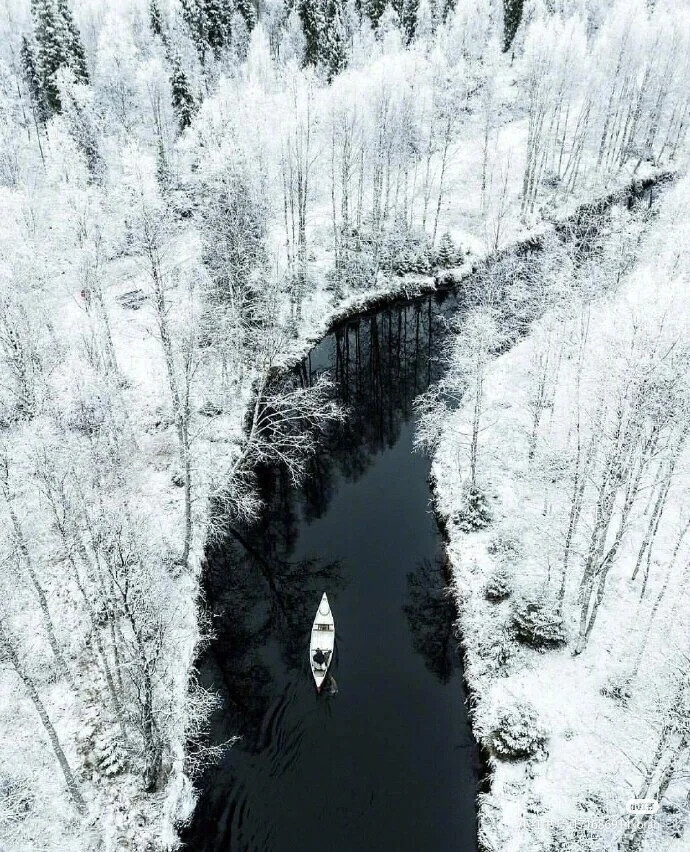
x: 8, y: 646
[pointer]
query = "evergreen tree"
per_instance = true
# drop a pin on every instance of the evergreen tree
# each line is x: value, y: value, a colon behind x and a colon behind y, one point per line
x: 512, y: 15
x: 248, y: 11
x: 313, y: 19
x: 408, y: 18
x: 155, y: 18
x: 424, y: 23
x: 182, y: 97
x: 162, y: 169
x: 76, y: 58
x: 447, y: 9
x: 334, y: 51
x: 29, y: 64
x: 77, y: 109
x: 240, y: 36
x: 447, y: 254
x: 98, y: 740
x: 374, y: 10
x: 389, y: 24
x: 51, y: 53
x: 59, y: 46
x: 209, y: 24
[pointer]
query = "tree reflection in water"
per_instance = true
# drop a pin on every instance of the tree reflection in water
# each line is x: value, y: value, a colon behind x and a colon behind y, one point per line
x: 431, y: 615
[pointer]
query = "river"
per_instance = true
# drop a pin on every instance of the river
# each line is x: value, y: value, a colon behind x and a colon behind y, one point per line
x: 384, y: 759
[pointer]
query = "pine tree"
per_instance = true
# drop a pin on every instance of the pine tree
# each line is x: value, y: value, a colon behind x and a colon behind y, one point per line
x: 408, y: 18
x: 512, y: 15
x: 51, y: 53
x: 76, y: 108
x: 447, y: 9
x: 447, y: 255
x: 240, y: 37
x: 209, y: 24
x: 162, y: 169
x: 76, y: 58
x: 313, y: 19
x: 59, y: 46
x: 424, y: 22
x: 182, y: 97
x: 374, y: 10
x: 334, y: 52
x: 425, y: 259
x: 99, y: 741
x: 218, y: 15
x: 29, y: 64
x: 248, y: 11
x: 155, y: 18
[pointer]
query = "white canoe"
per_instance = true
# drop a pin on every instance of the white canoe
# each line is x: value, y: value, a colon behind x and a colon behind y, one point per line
x: 322, y: 642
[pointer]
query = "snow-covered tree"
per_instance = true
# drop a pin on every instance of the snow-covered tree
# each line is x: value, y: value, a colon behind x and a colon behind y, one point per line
x: 32, y: 78
x: 182, y: 97
x: 312, y: 13
x: 209, y: 23
x: 334, y: 50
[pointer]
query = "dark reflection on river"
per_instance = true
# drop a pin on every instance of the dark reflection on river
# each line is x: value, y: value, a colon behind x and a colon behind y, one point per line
x: 385, y: 760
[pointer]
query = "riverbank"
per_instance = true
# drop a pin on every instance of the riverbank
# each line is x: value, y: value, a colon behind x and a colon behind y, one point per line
x: 582, y: 727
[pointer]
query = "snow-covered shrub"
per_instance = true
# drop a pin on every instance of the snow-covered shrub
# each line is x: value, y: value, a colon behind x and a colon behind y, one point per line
x: 89, y: 412
x: 497, y: 653
x: 16, y: 800
x: 672, y: 816
x: 448, y: 254
x: 618, y: 688
x: 518, y: 733
x: 538, y: 623
x: 583, y: 832
x: 210, y: 409
x: 506, y: 544
x: 565, y: 838
x: 497, y: 587
x: 356, y: 269
x: 474, y: 512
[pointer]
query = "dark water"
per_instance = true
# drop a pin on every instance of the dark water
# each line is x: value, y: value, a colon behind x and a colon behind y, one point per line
x: 385, y: 759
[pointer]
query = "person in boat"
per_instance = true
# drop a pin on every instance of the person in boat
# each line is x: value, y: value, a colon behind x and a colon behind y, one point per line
x: 321, y: 658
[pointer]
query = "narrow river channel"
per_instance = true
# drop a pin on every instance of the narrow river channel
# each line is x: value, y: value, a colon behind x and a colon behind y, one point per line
x: 385, y: 759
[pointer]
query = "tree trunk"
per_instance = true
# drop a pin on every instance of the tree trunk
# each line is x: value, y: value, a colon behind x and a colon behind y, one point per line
x: 70, y: 780
x: 180, y: 411
x: 444, y: 162
x: 40, y: 593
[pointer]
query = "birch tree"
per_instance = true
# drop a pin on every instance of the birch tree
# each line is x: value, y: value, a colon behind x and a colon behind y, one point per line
x: 9, y: 651
x: 28, y: 566
x: 635, y: 428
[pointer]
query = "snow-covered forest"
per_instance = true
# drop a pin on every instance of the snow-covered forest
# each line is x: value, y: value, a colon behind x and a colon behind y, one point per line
x: 191, y: 190
x: 564, y: 482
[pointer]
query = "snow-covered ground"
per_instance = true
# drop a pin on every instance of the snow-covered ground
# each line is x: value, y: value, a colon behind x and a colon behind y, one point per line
x: 596, y: 722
